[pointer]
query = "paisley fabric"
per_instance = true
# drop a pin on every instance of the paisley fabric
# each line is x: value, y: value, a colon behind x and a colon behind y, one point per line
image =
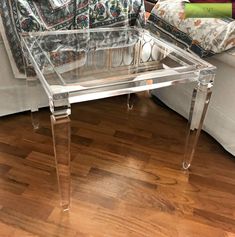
x: 115, y: 12
x: 203, y: 36
x: 43, y: 15
x: 33, y: 15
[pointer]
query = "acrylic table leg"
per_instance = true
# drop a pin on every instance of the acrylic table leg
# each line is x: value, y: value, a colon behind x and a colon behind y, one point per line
x: 61, y: 139
x: 35, y: 119
x: 32, y: 91
x: 130, y: 101
x: 199, y: 104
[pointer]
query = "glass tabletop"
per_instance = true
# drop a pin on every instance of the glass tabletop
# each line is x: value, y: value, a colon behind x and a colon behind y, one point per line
x: 97, y: 63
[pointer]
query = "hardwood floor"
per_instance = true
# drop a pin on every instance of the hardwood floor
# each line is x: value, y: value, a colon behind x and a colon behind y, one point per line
x: 126, y: 176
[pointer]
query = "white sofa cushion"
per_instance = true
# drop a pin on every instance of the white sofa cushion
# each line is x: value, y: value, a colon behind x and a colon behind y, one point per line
x: 227, y: 57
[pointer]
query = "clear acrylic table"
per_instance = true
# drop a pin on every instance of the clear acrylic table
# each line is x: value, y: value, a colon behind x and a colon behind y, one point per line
x: 80, y: 65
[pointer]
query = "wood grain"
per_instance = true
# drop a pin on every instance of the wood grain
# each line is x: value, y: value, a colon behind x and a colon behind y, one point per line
x: 126, y: 176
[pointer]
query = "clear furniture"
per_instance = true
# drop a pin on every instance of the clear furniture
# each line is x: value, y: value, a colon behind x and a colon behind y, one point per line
x: 80, y: 65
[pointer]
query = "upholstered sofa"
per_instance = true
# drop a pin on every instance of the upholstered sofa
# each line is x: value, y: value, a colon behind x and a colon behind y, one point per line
x: 220, y: 119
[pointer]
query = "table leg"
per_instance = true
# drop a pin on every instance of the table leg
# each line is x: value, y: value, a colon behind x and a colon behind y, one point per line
x: 199, y: 104
x: 61, y: 139
x: 130, y: 101
x: 32, y: 91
